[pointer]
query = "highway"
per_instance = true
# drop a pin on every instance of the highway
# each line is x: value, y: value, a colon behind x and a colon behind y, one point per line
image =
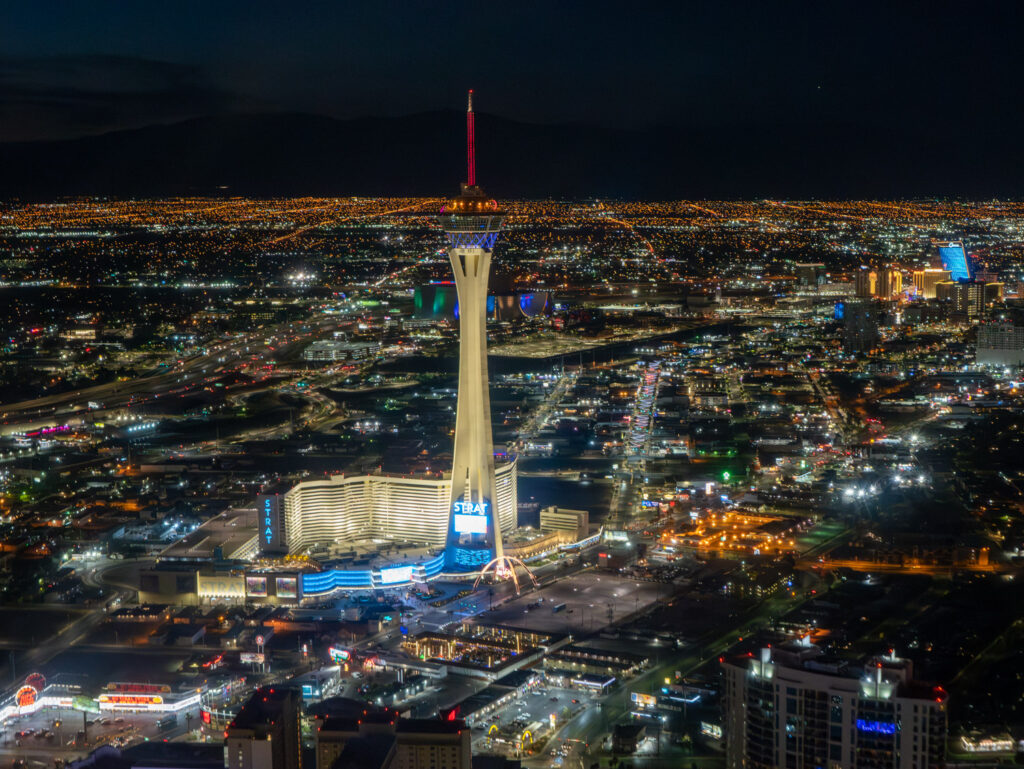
x: 253, y: 349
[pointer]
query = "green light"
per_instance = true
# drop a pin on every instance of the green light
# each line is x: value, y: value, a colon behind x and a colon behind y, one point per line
x: 725, y: 476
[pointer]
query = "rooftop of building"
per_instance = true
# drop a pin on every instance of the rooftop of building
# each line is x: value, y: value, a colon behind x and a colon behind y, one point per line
x: 230, y: 531
x: 367, y: 751
x: 264, y: 705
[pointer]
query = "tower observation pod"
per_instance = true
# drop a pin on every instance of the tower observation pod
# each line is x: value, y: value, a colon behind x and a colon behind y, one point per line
x: 472, y: 223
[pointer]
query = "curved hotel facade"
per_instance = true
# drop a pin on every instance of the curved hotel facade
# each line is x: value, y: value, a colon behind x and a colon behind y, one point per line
x: 383, y: 507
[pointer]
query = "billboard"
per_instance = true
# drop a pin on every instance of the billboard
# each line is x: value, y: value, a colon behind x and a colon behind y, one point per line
x: 954, y: 259
x: 130, y: 699
x: 470, y: 517
x: 126, y: 688
x: 287, y: 587
x: 394, y: 574
x: 254, y: 657
x: 256, y: 586
x: 470, y: 524
x: 643, y: 700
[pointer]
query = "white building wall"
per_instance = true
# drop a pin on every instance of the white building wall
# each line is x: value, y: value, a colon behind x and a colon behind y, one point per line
x: 365, y: 507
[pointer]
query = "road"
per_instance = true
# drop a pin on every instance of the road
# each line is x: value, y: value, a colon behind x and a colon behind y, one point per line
x: 36, y: 655
x: 187, y: 375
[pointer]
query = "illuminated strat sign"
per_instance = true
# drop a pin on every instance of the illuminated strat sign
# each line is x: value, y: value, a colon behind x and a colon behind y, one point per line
x: 470, y: 517
x: 878, y: 727
x: 269, y: 506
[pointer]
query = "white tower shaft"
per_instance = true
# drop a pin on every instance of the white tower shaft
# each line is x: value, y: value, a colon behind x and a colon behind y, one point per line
x: 473, y: 456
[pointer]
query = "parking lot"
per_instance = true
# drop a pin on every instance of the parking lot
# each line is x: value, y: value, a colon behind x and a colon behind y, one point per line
x: 538, y: 705
x: 53, y: 733
x: 588, y: 602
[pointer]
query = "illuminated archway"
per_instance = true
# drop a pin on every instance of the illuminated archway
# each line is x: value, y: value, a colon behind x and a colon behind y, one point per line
x: 504, y: 568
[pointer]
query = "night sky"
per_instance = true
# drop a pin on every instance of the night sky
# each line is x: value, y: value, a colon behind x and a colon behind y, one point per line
x: 74, y: 68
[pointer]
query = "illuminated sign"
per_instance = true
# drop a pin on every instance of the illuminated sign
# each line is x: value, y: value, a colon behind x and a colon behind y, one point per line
x: 269, y: 506
x: 395, y: 574
x: 470, y: 517
x: 139, y: 688
x: 470, y: 524
x: 256, y: 585
x: 253, y: 657
x: 287, y: 587
x: 470, y: 508
x: 644, y: 700
x: 220, y: 586
x: 711, y: 730
x: 878, y: 727
x: 129, y: 699
x: 338, y: 655
x: 999, y: 744
x: 26, y: 696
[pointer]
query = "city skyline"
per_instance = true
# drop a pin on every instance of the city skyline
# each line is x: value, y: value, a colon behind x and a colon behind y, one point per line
x: 693, y: 441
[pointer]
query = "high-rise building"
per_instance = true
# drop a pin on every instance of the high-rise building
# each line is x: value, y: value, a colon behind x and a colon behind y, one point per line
x: 865, y: 282
x: 810, y: 275
x: 790, y: 707
x: 954, y: 259
x: 889, y: 283
x: 1000, y: 344
x: 994, y: 292
x: 860, y: 326
x: 472, y: 222
x: 966, y: 298
x: 927, y: 279
x: 398, y: 508
x: 265, y: 733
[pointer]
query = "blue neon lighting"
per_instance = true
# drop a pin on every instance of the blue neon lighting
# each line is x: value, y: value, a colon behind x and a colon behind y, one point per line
x: 326, y: 581
x: 484, y: 240
x: 954, y: 259
x: 472, y: 556
x: 878, y: 727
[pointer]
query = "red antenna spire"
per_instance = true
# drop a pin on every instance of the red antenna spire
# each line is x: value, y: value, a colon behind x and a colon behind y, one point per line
x: 470, y: 143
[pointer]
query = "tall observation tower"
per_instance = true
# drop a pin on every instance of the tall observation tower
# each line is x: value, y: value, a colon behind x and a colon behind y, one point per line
x: 472, y: 222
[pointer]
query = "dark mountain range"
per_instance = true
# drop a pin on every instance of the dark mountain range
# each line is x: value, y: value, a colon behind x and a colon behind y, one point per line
x: 300, y: 154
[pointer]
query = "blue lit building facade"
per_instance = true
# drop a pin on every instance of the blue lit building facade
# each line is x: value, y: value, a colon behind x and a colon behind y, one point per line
x: 954, y: 259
